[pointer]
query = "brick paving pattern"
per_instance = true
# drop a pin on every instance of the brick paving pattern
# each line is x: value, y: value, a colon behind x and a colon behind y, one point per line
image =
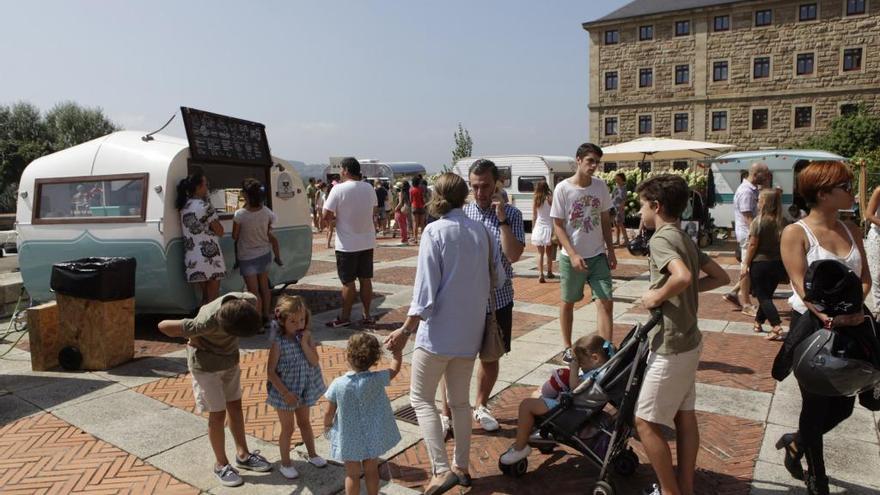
x: 724, y: 464
x: 43, y: 454
x: 317, y: 267
x: 261, y: 420
x: 399, y: 275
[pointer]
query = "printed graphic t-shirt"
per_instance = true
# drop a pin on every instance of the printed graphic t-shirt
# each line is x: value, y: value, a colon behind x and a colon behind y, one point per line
x: 580, y: 208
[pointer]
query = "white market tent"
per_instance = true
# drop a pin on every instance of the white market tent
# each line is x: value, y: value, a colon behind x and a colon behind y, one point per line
x: 657, y: 148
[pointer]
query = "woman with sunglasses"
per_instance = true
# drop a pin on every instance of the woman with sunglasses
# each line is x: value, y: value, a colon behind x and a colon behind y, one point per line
x: 827, y: 188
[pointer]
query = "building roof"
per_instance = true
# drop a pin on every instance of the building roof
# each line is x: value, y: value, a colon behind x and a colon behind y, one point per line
x: 638, y: 8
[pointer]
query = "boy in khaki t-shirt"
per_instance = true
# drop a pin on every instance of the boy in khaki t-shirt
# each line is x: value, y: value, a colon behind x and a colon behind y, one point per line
x: 668, y: 393
x: 212, y: 359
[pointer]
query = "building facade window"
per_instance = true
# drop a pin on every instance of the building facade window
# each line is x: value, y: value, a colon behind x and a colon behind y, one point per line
x: 852, y: 59
x: 805, y: 64
x: 646, y: 33
x: 680, y: 165
x: 646, y: 78
x: 611, y: 126
x: 722, y: 23
x: 760, y: 119
x: 761, y: 68
x: 682, y: 74
x: 611, y: 80
x: 612, y: 37
x: 855, y: 7
x: 719, y: 71
x: 803, y: 117
x: 719, y: 120
x: 645, y: 124
x: 848, y: 109
x: 680, y: 122
x: 763, y: 17
x: 682, y: 28
x: 808, y: 12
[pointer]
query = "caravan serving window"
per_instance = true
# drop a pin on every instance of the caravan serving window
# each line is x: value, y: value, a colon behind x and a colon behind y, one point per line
x: 91, y: 199
x: 527, y: 183
x: 225, y: 183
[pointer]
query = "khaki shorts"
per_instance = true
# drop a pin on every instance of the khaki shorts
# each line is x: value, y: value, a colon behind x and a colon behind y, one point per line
x: 213, y: 389
x: 669, y: 386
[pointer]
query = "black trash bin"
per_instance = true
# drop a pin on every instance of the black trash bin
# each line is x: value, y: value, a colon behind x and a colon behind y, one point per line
x: 100, y: 279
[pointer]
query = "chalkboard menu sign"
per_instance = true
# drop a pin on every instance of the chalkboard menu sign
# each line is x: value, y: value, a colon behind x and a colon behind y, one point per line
x: 219, y: 138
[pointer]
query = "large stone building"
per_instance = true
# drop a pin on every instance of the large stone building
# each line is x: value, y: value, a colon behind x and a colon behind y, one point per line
x: 748, y: 73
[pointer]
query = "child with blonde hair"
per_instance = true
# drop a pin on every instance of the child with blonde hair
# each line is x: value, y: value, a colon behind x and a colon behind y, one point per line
x: 295, y: 381
x: 360, y: 424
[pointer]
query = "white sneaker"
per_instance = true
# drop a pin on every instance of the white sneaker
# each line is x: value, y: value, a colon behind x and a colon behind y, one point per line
x: 317, y: 461
x: 445, y: 425
x: 653, y: 490
x: 484, y: 417
x: 288, y: 472
x: 512, y: 456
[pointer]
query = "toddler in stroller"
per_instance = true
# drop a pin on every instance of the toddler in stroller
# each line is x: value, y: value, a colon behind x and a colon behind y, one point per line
x: 595, y: 417
x: 590, y: 353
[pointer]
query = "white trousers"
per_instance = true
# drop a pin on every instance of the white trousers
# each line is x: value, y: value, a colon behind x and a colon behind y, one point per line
x: 872, y: 250
x: 427, y: 370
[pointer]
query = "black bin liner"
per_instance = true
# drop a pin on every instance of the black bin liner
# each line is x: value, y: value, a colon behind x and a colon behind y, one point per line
x: 101, y: 279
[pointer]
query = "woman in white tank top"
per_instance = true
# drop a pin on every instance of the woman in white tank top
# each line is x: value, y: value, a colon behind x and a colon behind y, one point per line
x: 542, y: 228
x: 872, y: 246
x: 827, y: 188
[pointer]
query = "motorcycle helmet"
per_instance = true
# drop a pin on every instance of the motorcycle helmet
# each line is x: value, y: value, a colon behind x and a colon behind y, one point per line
x: 824, y: 365
x: 638, y: 246
x: 833, y: 287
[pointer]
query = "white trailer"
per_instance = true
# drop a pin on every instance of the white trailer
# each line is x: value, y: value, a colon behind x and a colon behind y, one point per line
x: 520, y: 173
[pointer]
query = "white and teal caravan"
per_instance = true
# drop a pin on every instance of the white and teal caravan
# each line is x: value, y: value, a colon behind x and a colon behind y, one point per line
x: 727, y: 170
x: 520, y: 173
x: 114, y: 196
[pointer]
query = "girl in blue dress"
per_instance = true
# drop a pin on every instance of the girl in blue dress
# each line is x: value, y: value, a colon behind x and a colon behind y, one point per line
x: 295, y: 382
x: 360, y: 424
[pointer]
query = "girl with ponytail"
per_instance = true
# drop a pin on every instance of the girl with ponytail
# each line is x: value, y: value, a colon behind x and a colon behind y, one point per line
x: 201, y: 228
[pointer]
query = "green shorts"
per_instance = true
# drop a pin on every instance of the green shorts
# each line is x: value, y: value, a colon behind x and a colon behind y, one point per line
x: 572, y: 281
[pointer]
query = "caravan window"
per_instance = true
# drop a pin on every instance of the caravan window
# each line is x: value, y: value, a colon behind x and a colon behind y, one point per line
x: 91, y: 199
x: 527, y: 183
x: 225, y: 182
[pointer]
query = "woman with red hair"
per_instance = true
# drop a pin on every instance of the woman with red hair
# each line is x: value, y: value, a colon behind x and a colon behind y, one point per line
x: 826, y: 188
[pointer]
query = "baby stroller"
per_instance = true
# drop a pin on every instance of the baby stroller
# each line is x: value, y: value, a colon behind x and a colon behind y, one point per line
x: 580, y: 422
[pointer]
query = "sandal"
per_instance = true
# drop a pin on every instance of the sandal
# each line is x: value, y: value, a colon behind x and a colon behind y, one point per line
x: 541, y: 280
x: 775, y: 334
x: 368, y: 320
x: 338, y: 322
x: 550, y: 275
x: 757, y: 328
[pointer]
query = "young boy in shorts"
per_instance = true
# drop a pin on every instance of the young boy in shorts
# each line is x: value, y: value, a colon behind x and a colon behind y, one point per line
x: 668, y: 393
x: 212, y: 358
x: 581, y: 221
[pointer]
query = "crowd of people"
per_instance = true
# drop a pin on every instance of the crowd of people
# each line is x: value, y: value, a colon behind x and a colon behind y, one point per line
x: 464, y: 281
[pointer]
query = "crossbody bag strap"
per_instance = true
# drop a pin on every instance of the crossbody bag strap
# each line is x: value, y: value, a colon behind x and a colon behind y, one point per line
x: 491, y: 273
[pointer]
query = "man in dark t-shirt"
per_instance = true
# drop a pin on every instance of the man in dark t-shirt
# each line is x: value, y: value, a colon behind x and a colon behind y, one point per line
x: 381, y: 214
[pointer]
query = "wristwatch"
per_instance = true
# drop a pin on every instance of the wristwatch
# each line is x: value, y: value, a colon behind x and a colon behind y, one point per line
x: 503, y: 222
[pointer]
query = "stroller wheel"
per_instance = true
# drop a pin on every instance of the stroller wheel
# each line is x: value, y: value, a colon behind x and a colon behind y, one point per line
x: 626, y: 463
x: 603, y: 488
x: 516, y: 469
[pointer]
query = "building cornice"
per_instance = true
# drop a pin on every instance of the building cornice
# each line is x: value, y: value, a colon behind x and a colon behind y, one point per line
x: 670, y: 13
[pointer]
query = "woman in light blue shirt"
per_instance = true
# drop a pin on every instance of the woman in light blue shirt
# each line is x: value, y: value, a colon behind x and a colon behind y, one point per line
x: 448, y: 310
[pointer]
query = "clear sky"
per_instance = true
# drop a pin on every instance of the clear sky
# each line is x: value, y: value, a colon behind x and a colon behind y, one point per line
x: 376, y: 79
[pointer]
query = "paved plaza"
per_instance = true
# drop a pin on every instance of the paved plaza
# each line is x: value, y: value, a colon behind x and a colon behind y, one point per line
x: 134, y: 429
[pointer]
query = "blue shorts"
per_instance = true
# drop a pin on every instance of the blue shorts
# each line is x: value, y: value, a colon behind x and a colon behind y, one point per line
x: 255, y: 266
x: 550, y: 403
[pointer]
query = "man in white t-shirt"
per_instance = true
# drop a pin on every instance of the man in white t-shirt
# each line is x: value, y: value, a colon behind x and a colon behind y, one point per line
x: 352, y: 204
x: 583, y: 225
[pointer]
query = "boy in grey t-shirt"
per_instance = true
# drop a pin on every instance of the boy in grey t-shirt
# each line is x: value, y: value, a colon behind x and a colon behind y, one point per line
x: 668, y: 393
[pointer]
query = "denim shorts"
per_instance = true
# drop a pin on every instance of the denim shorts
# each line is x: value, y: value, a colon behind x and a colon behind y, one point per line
x: 255, y: 266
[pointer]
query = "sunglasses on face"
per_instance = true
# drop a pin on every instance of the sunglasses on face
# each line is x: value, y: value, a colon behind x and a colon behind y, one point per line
x: 846, y: 186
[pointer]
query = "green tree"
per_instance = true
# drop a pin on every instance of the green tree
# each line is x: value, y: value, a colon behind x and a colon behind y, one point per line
x: 69, y: 124
x: 855, y: 136
x: 464, y: 145
x: 25, y: 135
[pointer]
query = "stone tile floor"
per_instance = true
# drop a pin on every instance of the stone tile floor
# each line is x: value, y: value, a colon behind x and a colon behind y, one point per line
x: 133, y: 429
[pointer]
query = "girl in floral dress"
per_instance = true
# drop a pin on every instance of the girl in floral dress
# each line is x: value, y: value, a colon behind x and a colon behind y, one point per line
x: 201, y: 228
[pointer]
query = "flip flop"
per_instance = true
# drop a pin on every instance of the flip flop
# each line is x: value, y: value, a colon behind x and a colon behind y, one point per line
x: 368, y: 320
x: 775, y: 334
x: 337, y: 322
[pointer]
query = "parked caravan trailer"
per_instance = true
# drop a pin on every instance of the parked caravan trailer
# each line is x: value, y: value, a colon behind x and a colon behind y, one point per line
x: 520, y: 173
x: 131, y: 185
x: 729, y: 169
x: 376, y: 170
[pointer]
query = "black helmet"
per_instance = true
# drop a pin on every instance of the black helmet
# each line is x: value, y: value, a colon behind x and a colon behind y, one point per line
x: 824, y: 364
x: 833, y: 287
